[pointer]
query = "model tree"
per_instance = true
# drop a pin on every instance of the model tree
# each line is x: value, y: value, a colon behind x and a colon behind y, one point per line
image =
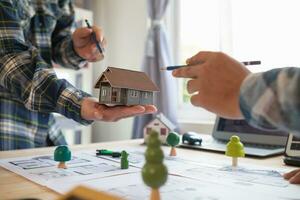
x: 154, y: 172
x: 173, y: 140
x: 62, y: 154
x: 124, y: 160
x: 235, y: 149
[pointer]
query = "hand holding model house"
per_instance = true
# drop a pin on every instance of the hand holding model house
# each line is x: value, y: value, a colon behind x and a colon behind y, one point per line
x: 130, y: 93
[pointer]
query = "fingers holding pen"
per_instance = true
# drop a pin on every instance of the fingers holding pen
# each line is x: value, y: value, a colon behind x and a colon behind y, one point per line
x: 194, y: 65
x: 200, y: 57
x: 98, y: 33
x: 187, y: 72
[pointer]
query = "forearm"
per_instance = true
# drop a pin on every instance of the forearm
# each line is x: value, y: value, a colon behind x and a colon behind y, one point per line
x: 28, y: 77
x: 272, y: 99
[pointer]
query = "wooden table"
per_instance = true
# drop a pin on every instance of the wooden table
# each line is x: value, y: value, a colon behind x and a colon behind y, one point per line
x: 13, y: 186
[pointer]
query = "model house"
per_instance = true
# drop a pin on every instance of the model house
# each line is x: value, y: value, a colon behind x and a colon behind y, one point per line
x: 160, y: 124
x: 125, y: 87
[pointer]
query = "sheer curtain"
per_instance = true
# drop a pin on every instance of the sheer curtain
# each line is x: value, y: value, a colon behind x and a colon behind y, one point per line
x: 157, y: 54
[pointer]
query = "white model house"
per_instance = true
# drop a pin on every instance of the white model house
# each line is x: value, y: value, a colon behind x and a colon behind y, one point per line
x: 160, y: 124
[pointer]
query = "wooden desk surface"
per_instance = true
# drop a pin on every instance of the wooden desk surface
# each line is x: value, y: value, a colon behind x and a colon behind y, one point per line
x: 13, y: 186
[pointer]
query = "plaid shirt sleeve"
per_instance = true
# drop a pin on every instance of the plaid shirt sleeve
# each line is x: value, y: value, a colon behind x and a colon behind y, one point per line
x: 63, y: 52
x: 26, y: 75
x: 271, y: 100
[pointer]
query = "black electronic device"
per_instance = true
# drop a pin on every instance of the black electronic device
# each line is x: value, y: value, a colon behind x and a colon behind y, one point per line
x: 292, y: 151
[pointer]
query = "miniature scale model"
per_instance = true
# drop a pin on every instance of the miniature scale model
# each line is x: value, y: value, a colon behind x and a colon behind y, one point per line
x: 173, y: 140
x: 154, y: 172
x: 125, y: 87
x: 124, y: 160
x: 160, y: 124
x: 235, y: 149
x: 62, y: 154
x: 191, y: 138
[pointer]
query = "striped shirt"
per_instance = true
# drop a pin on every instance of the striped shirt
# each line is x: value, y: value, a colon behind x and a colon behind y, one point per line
x: 272, y: 99
x: 33, y: 35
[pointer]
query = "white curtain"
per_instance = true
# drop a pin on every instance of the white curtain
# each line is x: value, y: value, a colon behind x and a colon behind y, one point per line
x: 157, y: 54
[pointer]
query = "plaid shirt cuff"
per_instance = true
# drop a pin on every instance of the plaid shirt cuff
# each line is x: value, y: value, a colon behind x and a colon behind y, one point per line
x: 70, y: 56
x: 257, y: 101
x: 69, y: 104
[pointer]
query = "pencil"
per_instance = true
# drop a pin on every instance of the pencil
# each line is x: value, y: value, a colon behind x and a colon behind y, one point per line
x: 101, y: 50
x: 170, y: 68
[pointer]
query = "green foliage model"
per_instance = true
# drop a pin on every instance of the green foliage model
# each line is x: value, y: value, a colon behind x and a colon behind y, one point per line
x: 173, y: 139
x: 154, y: 172
x: 235, y: 148
x: 62, y: 154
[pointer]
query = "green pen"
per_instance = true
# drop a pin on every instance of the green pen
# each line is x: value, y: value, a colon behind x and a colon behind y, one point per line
x: 105, y: 152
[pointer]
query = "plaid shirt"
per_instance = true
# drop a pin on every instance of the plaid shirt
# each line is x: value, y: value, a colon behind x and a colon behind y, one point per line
x: 33, y: 34
x: 272, y: 99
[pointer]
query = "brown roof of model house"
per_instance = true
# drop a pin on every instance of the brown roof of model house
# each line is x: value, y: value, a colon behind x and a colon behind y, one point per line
x: 123, y: 78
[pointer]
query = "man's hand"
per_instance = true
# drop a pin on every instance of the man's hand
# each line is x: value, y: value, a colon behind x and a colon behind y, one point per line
x: 84, y: 46
x: 293, y: 176
x: 92, y: 110
x: 215, y: 82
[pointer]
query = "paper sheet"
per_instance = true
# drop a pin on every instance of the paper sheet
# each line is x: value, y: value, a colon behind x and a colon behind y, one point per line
x: 43, y: 169
x: 131, y: 187
x: 193, y: 178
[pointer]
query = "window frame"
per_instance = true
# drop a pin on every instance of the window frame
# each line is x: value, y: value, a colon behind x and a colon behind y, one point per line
x: 187, y: 112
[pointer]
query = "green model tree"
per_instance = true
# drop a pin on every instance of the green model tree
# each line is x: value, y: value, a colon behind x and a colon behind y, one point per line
x: 235, y: 149
x: 62, y: 154
x: 154, y: 172
x: 124, y: 160
x: 173, y: 140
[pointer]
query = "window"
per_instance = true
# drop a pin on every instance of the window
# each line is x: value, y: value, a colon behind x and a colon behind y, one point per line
x: 146, y: 95
x: 163, y: 131
x: 148, y: 130
x: 134, y: 93
x: 197, y: 31
x: 103, y: 91
x: 248, y: 30
x: 270, y: 34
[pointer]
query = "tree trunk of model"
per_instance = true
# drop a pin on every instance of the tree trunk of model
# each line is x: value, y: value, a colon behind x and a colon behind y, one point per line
x: 234, y: 161
x: 62, y: 165
x: 155, y: 194
x: 173, y: 151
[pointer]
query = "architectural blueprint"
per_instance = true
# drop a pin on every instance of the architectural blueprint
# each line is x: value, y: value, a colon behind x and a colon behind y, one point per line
x: 43, y: 169
x: 192, y: 178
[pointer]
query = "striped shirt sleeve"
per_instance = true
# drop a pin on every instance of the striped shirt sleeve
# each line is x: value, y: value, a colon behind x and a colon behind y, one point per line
x: 271, y: 100
x: 25, y: 74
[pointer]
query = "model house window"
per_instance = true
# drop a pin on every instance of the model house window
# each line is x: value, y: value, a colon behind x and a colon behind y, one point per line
x: 148, y: 130
x: 103, y: 92
x: 145, y: 95
x: 134, y: 93
x: 163, y: 131
x: 156, y: 124
x: 247, y: 30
